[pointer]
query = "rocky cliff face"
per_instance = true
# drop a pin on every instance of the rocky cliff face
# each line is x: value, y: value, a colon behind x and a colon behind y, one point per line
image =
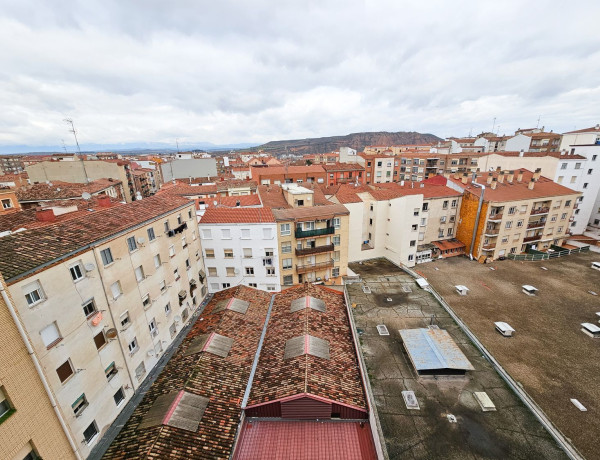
x: 356, y: 141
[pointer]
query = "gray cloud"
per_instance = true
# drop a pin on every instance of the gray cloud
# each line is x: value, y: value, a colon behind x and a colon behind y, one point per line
x: 241, y: 71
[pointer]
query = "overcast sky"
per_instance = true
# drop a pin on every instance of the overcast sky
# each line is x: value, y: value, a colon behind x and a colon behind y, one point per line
x: 241, y: 71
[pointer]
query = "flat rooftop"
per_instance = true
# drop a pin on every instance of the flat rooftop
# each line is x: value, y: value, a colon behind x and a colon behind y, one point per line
x: 509, y: 432
x: 548, y: 354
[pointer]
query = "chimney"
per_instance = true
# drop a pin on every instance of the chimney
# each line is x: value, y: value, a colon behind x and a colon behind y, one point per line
x: 522, y: 153
x: 457, y: 175
x: 501, y: 177
x: 103, y: 201
x: 498, y: 169
x: 531, y: 184
x: 45, y: 215
x: 520, y: 176
x: 489, y: 178
x: 537, y: 173
x: 494, y: 183
x: 465, y: 178
x: 510, y: 176
x: 597, y: 126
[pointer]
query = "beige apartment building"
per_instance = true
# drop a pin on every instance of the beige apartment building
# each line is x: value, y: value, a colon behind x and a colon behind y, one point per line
x: 520, y: 211
x: 312, y: 234
x: 28, y: 423
x: 101, y: 297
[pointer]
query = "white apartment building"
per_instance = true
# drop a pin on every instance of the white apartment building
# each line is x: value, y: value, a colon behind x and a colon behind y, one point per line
x: 240, y: 247
x: 101, y: 297
x: 586, y: 136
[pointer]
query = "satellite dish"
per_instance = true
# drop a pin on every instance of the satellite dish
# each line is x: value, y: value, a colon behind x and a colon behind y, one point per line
x: 215, y: 202
x: 89, y: 267
x: 86, y: 196
x: 141, y: 239
x: 111, y: 333
x: 177, y: 319
x: 151, y: 352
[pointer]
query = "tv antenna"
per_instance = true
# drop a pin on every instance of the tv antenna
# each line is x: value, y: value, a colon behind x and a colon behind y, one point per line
x: 494, y: 124
x: 538, y: 123
x: 64, y: 146
x: 69, y: 121
x: 177, y: 142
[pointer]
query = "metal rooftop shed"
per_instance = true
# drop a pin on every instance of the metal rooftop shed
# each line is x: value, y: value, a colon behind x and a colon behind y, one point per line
x: 433, y: 352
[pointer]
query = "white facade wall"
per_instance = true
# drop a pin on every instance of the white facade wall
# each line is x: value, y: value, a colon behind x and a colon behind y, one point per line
x: 239, y: 236
x: 588, y: 138
x: 518, y: 143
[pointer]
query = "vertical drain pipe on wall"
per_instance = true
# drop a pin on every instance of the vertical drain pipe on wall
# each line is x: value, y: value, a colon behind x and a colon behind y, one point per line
x: 478, y: 214
x: 39, y: 370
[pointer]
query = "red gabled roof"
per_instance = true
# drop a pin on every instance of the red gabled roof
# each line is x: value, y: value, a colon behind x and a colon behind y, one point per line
x: 593, y: 129
x: 305, y: 440
x: 237, y: 215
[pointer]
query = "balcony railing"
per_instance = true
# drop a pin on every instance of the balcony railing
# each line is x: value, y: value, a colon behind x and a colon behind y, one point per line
x: 495, y: 217
x: 491, y: 231
x: 316, y: 266
x: 489, y: 246
x: 532, y: 238
x: 540, y: 211
x: 316, y: 250
x: 317, y: 232
x: 536, y: 225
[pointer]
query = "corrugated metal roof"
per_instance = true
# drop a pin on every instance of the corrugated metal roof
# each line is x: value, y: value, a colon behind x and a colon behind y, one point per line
x: 431, y: 349
x: 307, y: 302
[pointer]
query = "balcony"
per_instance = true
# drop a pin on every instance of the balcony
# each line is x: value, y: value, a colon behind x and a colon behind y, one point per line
x: 538, y: 211
x: 316, y: 232
x: 316, y: 250
x: 536, y: 225
x: 495, y: 217
x: 528, y: 239
x: 313, y: 267
x: 489, y: 247
x: 491, y: 232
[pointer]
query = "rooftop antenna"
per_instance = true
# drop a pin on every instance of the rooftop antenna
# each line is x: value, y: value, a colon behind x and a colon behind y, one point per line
x: 538, y: 123
x: 177, y: 142
x: 64, y: 146
x: 494, y: 124
x: 470, y: 132
x: 69, y: 121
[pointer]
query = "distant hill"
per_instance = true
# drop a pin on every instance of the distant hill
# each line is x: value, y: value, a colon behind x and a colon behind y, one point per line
x: 356, y: 141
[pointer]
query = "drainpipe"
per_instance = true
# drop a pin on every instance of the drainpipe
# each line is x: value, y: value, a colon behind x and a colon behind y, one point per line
x: 478, y: 216
x: 39, y: 370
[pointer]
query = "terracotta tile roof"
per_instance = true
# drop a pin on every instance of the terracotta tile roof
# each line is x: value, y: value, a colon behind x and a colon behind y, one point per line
x: 282, y: 170
x: 516, y: 191
x: 237, y: 215
x: 62, y: 190
x: 272, y: 196
x: 222, y: 380
x: 388, y: 191
x: 235, y: 183
x: 593, y: 129
x: 449, y: 244
x: 310, y: 212
x: 183, y: 189
x: 231, y: 201
x: 266, y: 439
x: 543, y: 136
x: 33, y: 248
x: 343, y: 167
x: 337, y: 378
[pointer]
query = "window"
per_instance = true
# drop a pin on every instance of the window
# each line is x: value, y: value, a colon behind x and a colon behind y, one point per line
x: 253, y: 285
x: 228, y: 253
x: 119, y: 396
x: 34, y: 293
x: 563, y: 216
x: 505, y: 239
x: 146, y: 301
x: 310, y: 225
x: 416, y: 212
x: 268, y: 252
x: 106, y: 256
x: 335, y: 271
x: 209, y: 253
x: 207, y: 234
x: 131, y: 244
x: 411, y: 257
x: 559, y: 230
x: 167, y: 226
x: 423, y: 221
x: 153, y: 328
x: 516, y: 236
x: 553, y: 218
x: 284, y: 229
x: 413, y: 243
x: 270, y: 271
x: 336, y: 240
x: 176, y: 274
x: 286, y: 248
x: 287, y: 264
x: 90, y: 432
x: 225, y: 234
x: 563, y: 166
x: 288, y: 280
x: 577, y: 166
x: 64, y: 371
x: 110, y: 371
x: 267, y: 235
x: 212, y: 271
x: 590, y: 171
x: 250, y: 271
x: 115, y: 289
x: 151, y: 235
x: 450, y: 231
x: 194, y: 235
x: 594, y: 157
x: 425, y: 206
x: 173, y: 327
x: 7, y: 203
x: 139, y: 273
x: 157, y: 261
x: 140, y: 371
x: 89, y: 308
x: 443, y: 220
x: 454, y: 202
x: 50, y: 335
x: 171, y: 251
x: 585, y: 185
x: 79, y: 405
x: 133, y: 346
x: 124, y: 319
x: 445, y: 204
x: 179, y: 221
x: 509, y: 224
x: 336, y: 256
x: 183, y: 242
x: 168, y: 309
x: 230, y: 271
x: 226, y: 285
x: 573, y: 179
x: 513, y: 250
x: 76, y: 272
x: 567, y: 203
x: 336, y: 222
x: 512, y: 210
x: 187, y: 264
x: 100, y: 340
x: 560, y: 179
x: 271, y: 287
x: 245, y: 233
x: 452, y: 219
x: 441, y: 233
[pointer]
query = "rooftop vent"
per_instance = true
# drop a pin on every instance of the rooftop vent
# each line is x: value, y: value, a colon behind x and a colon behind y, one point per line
x: 178, y: 409
x: 307, y: 302
x: 484, y: 401
x: 529, y: 290
x: 238, y: 305
x: 578, y: 405
x: 382, y: 329
x: 504, y: 328
x: 406, y: 288
x: 591, y: 329
x: 462, y: 290
x: 216, y: 344
x: 306, y: 344
x: 410, y: 400
x: 366, y: 289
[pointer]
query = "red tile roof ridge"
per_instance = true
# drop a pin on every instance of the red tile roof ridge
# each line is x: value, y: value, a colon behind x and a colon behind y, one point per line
x: 214, y: 215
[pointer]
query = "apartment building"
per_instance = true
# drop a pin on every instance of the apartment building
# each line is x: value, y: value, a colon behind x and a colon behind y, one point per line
x: 312, y: 234
x: 11, y: 164
x: 240, y: 248
x: 101, y: 297
x: 344, y: 173
x: 29, y: 426
x: 520, y: 211
x: 586, y: 136
x: 276, y: 175
x: 9, y: 202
